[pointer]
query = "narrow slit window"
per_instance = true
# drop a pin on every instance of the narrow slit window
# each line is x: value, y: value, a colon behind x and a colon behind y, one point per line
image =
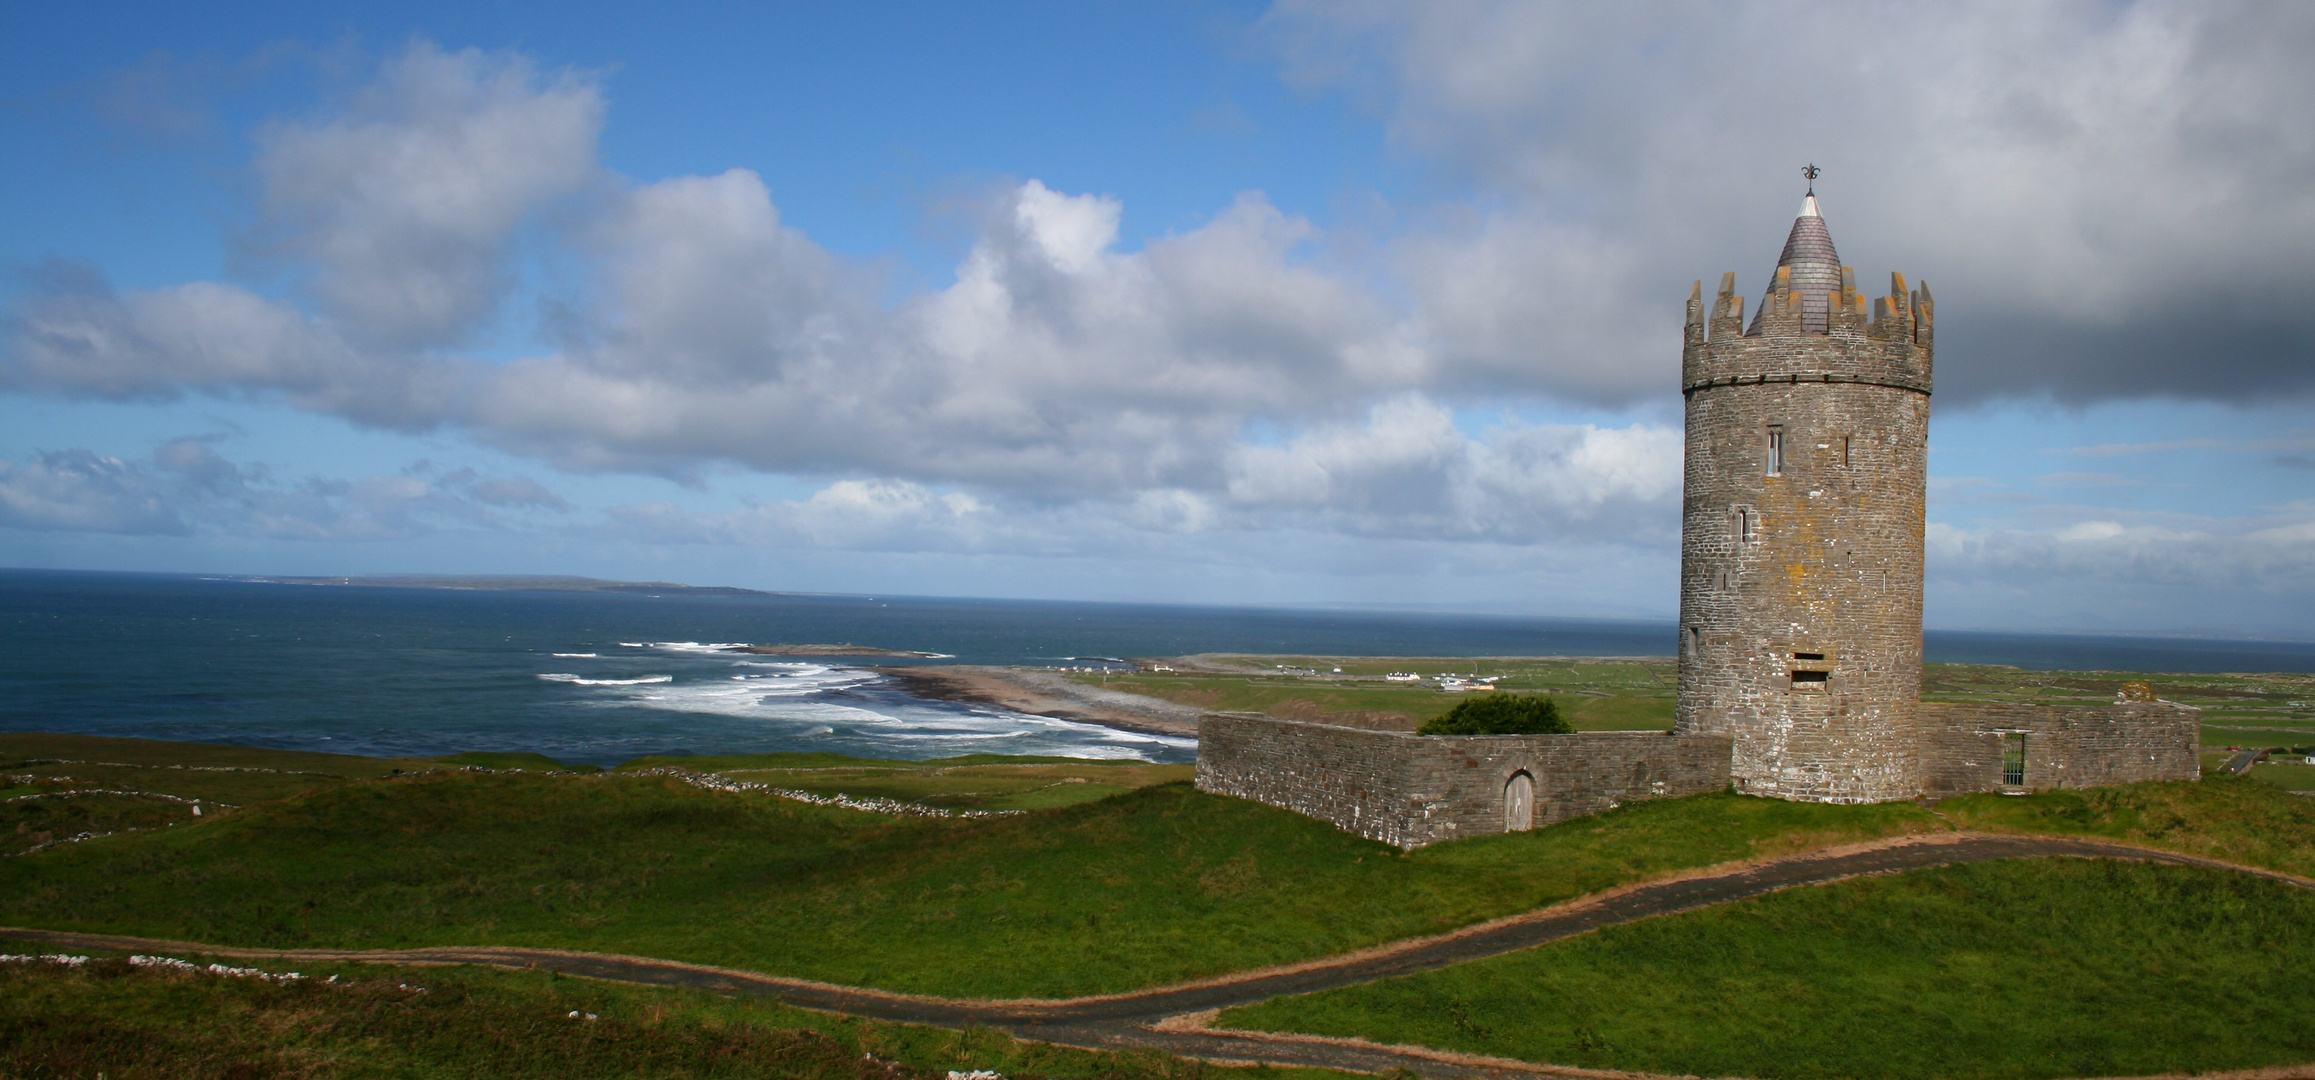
x: 1776, y: 451
x: 1740, y: 525
x: 1808, y: 656
x: 1695, y: 640
x: 1844, y: 451
x: 1811, y: 678
x: 2014, y: 760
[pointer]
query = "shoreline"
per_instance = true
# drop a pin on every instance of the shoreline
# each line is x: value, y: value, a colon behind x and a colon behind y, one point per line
x: 1040, y: 693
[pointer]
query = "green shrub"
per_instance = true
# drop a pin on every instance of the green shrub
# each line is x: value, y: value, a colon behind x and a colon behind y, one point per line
x: 1500, y: 714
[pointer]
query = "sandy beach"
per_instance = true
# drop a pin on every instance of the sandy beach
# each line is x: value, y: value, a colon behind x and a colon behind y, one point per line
x: 1045, y: 693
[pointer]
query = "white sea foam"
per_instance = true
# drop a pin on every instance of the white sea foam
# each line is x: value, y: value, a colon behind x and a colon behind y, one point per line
x: 566, y: 677
x: 853, y: 709
x: 809, y: 699
x: 576, y: 656
x: 698, y: 646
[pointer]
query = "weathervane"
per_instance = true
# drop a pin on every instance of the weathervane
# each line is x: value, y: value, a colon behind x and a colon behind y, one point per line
x: 1811, y: 172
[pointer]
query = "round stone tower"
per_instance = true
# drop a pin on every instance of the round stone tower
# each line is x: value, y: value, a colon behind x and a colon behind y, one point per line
x: 1800, y: 540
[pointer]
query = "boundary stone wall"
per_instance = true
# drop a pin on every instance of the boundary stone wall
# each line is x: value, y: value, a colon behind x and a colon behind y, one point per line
x: 2067, y: 746
x: 1411, y: 790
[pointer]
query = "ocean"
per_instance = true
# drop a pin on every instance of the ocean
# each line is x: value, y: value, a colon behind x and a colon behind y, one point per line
x: 602, y: 678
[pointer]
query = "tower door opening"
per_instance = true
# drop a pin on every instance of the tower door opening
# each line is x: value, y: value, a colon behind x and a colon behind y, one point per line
x: 2014, y: 760
x: 1519, y: 803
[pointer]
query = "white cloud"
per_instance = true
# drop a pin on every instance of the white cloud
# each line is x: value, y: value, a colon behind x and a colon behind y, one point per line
x: 1072, y: 231
x: 859, y: 515
x: 187, y: 486
x: 1250, y: 373
x: 78, y: 491
x: 1050, y: 365
x: 2273, y: 551
x: 398, y: 210
x: 1408, y: 471
x: 2111, y: 199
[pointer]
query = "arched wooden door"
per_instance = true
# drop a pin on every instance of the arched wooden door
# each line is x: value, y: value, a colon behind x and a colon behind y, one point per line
x: 1519, y: 803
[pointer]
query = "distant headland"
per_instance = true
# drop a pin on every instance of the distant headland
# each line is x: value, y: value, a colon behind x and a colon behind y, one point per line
x: 512, y: 582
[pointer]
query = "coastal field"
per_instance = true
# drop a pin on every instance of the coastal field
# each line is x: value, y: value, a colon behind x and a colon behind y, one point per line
x: 1002, y: 877
x: 1157, y: 884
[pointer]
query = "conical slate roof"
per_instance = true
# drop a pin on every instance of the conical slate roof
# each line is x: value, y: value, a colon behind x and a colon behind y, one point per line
x: 1816, y: 269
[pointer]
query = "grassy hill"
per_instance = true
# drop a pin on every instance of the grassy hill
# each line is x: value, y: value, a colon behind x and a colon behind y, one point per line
x: 1108, y: 877
x: 2033, y: 968
x: 1154, y: 885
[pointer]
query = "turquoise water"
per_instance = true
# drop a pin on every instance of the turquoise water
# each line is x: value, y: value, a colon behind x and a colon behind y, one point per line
x: 601, y: 678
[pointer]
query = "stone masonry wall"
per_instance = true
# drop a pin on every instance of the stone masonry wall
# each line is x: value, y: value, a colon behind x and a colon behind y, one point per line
x: 2066, y: 746
x: 1800, y: 586
x: 1412, y: 790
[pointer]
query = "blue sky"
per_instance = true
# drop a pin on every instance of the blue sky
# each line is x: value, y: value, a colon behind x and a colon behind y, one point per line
x: 1359, y: 303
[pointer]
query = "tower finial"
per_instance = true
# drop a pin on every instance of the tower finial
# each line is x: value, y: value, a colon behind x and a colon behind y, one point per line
x: 1810, y: 170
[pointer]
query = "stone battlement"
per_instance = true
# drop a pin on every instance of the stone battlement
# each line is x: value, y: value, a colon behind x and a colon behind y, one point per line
x: 1786, y: 343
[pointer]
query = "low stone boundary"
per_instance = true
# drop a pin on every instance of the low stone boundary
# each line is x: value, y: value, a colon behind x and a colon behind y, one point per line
x: 2066, y: 746
x: 1412, y: 790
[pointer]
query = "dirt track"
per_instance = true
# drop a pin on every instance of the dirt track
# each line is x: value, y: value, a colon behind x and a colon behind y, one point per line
x: 1166, y: 1018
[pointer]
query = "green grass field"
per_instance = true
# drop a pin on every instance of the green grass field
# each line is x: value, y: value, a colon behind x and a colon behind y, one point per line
x: 1024, y: 785
x: 108, y: 1019
x: 2237, y: 819
x: 2032, y: 968
x: 70, y: 778
x: 1154, y: 885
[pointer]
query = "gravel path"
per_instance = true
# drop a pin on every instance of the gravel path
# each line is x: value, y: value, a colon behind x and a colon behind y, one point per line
x: 1170, y: 1018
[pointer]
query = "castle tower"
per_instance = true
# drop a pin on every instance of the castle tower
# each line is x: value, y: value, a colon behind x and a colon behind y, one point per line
x: 1801, y: 530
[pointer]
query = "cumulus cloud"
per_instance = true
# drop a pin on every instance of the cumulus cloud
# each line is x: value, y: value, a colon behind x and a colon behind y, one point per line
x: 77, y: 337
x: 78, y: 491
x: 2052, y: 168
x: 398, y: 209
x: 2111, y: 199
x: 187, y: 486
x: 1408, y: 471
x: 1053, y: 362
x: 861, y: 515
x: 2273, y: 550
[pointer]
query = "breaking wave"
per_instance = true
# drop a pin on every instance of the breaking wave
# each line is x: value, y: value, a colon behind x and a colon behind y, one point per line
x: 646, y: 680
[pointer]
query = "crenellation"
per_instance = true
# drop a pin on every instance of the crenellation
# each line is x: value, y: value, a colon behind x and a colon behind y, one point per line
x: 1924, y: 322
